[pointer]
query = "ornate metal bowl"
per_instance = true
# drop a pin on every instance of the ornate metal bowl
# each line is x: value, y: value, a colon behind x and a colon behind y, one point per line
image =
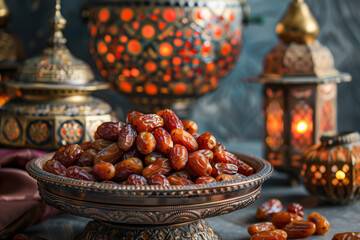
x: 150, y: 206
x: 165, y: 53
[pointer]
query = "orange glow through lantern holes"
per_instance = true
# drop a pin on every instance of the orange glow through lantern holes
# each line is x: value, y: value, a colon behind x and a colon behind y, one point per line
x: 102, y: 48
x: 134, y: 47
x: 150, y: 66
x: 123, y: 39
x: 104, y: 15
x: 180, y: 88
x: 302, y: 127
x: 167, y: 78
x: 225, y: 49
x: 165, y: 49
x: 151, y: 89
x: 107, y: 38
x: 148, y: 31
x: 176, y: 60
x: 169, y: 15
x: 125, y: 87
x: 126, y: 14
x: 217, y: 31
x: 178, y: 42
x: 110, y: 57
x: 135, y: 72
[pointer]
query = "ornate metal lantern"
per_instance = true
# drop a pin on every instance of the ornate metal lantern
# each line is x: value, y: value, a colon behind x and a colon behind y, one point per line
x: 11, y: 51
x: 332, y: 169
x: 300, y: 90
x: 165, y: 53
x: 55, y: 107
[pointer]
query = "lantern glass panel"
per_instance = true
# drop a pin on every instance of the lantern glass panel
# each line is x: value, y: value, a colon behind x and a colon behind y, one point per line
x: 274, y: 125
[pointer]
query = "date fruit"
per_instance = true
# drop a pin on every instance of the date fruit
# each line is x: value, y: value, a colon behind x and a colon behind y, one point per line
x: 199, y: 164
x: 159, y: 179
x: 78, y: 173
x: 346, y: 236
x: 321, y: 223
x: 300, y: 229
x: 178, y: 157
x: 171, y: 121
x: 179, y: 181
x: 55, y: 167
x: 269, y: 235
x: 111, y: 154
x: 206, y: 141
x: 147, y: 122
x: 160, y: 166
x: 164, y: 142
x: 244, y: 168
x: 109, y: 130
x: 207, y: 153
x: 100, y: 144
x: 127, y: 167
x: 190, y: 126
x: 296, y: 208
x: 184, y: 138
x: 225, y: 168
x: 127, y: 138
x: 260, y: 227
x: 131, y: 115
x: 104, y: 171
x: 145, y: 142
x: 283, y: 218
x: 135, y: 179
x: 87, y: 158
x: 225, y: 157
x: 268, y: 209
x: 204, y: 179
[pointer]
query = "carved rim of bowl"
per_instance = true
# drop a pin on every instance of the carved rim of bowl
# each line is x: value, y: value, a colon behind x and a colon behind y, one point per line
x: 262, y: 167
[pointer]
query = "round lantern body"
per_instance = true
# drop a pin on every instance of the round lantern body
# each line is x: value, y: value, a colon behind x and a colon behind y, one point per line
x: 165, y: 53
x: 331, y: 169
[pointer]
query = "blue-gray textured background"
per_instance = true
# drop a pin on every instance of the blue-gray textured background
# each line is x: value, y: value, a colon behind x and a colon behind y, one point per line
x: 233, y: 111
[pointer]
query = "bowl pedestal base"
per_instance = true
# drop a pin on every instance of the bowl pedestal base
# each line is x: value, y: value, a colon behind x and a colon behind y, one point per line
x: 198, y: 230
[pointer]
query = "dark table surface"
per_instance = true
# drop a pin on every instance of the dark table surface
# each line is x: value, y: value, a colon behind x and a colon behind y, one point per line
x: 232, y: 226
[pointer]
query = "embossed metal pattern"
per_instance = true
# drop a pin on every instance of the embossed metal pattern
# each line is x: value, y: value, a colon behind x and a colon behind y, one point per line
x: 155, y: 215
x: 198, y: 230
x: 145, y: 195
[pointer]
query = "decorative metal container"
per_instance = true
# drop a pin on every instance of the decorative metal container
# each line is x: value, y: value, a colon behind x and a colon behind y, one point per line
x: 165, y: 53
x: 148, y: 212
x: 300, y: 90
x: 12, y: 51
x: 55, y: 107
x: 331, y: 169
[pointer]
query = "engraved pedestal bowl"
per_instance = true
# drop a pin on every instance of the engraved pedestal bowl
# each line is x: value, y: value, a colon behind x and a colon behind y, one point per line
x: 148, y: 212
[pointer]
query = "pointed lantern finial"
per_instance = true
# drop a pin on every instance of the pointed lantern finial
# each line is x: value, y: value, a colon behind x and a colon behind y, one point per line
x: 4, y: 12
x: 57, y: 24
x: 298, y: 24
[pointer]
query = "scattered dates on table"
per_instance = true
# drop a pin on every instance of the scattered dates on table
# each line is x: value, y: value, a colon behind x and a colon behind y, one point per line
x: 286, y: 224
x: 150, y: 149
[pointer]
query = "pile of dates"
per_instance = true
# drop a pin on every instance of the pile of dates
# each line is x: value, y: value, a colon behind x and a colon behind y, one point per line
x: 150, y: 149
x: 286, y: 224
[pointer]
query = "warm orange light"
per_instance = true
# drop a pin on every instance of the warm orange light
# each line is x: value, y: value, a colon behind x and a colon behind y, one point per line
x: 169, y: 15
x: 151, y: 89
x: 134, y: 47
x: 150, y: 66
x: 104, y: 15
x: 148, y: 31
x: 225, y: 49
x: 126, y: 14
x: 302, y: 127
x: 126, y: 87
x: 102, y: 48
x: 340, y: 175
x: 110, y: 57
x: 165, y: 49
x: 180, y: 88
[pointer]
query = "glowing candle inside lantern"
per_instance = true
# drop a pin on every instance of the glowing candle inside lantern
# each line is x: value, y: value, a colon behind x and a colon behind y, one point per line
x: 340, y: 175
x: 302, y: 126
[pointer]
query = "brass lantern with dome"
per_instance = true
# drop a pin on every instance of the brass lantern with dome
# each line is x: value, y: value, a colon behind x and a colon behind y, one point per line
x: 300, y: 90
x: 55, y: 107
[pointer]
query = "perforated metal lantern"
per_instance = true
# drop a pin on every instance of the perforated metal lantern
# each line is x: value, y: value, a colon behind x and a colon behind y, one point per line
x: 165, y: 53
x: 55, y: 107
x: 331, y: 169
x: 300, y: 90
